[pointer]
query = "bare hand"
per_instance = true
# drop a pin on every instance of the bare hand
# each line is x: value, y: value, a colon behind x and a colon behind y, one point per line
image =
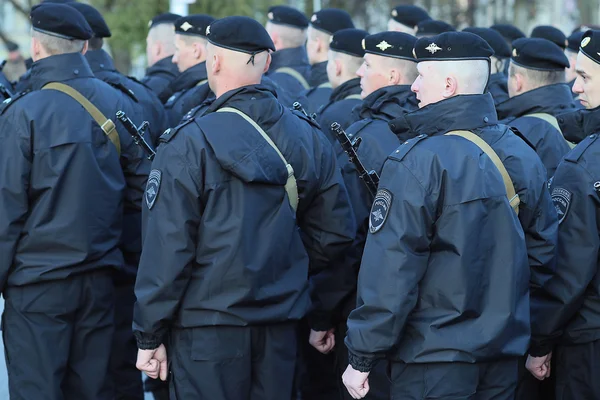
x: 356, y: 382
x: 539, y: 366
x: 323, y: 341
x: 153, y: 362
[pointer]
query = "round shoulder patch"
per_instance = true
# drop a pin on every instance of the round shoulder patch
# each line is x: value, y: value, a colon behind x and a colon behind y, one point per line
x: 380, y: 209
x: 562, y: 202
x: 152, y: 187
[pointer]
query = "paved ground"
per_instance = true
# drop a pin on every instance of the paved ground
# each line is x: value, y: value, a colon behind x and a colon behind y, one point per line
x: 4, y: 377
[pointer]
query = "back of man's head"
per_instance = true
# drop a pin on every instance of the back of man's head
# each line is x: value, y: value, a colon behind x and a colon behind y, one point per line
x: 54, y: 45
x: 287, y: 27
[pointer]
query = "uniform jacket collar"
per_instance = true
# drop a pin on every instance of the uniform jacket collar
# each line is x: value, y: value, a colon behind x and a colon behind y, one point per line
x: 576, y: 125
x: 100, y: 60
x: 295, y: 57
x: 318, y: 74
x: 346, y: 89
x: 465, y: 112
x: 551, y: 99
x: 387, y: 103
x: 59, y: 68
x: 163, y: 67
x: 189, y: 78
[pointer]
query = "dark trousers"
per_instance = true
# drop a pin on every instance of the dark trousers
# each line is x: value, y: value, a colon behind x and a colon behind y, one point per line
x: 577, y: 371
x: 233, y: 363
x: 57, y: 338
x: 530, y: 388
x: 123, y: 372
x: 456, y: 381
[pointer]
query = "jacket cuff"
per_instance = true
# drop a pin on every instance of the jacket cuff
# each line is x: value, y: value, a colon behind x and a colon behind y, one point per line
x: 359, y: 363
x: 540, y: 350
x: 320, y: 321
x: 146, y: 341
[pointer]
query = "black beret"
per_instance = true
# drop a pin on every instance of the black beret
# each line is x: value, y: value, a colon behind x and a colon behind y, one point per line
x: 94, y: 19
x: 331, y: 20
x: 450, y: 46
x: 409, y: 15
x: 431, y: 27
x: 539, y: 54
x: 58, y: 1
x: 194, y: 25
x: 60, y: 20
x: 284, y: 15
x: 590, y: 45
x: 550, y: 33
x: 164, y: 18
x: 391, y: 44
x: 509, y: 32
x: 574, y: 41
x: 242, y: 34
x: 11, y: 46
x: 349, y: 41
x: 494, y: 39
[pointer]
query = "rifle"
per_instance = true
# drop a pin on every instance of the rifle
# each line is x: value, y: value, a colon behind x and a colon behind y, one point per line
x: 137, y: 133
x: 370, y: 178
x: 5, y: 92
x: 298, y: 107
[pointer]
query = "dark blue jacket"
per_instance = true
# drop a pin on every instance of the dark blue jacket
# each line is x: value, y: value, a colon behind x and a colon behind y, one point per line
x: 320, y: 89
x: 548, y: 142
x: 152, y: 109
x: 576, y: 125
x: 566, y: 307
x: 160, y: 75
x: 188, y: 85
x: 342, y: 101
x: 498, y: 87
x: 69, y: 203
x: 295, y: 59
x: 436, y: 284
x: 219, y: 184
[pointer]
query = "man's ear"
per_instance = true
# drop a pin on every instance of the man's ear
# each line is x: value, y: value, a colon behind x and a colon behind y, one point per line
x: 86, y: 45
x: 215, y: 64
x: 395, y: 77
x: 519, y: 83
x: 338, y: 67
x: 450, y: 86
x: 268, y: 63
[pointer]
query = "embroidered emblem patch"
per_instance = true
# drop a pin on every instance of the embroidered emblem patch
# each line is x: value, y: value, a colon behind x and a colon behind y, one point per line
x: 380, y: 210
x: 433, y: 48
x: 383, y: 46
x: 152, y: 187
x: 562, y: 202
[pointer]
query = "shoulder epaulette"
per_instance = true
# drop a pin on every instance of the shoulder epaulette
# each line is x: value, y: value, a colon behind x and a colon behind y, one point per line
x: 8, y: 102
x: 520, y: 135
x: 405, y: 147
x: 124, y: 89
x: 575, y: 154
x: 357, y: 127
x: 307, y: 119
x: 170, y: 133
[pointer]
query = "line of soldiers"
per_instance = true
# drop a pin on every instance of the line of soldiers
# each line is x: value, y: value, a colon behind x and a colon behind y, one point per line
x: 453, y: 255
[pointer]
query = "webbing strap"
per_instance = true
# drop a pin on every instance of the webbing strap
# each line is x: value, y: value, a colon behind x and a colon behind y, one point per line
x: 295, y: 74
x: 291, y: 186
x: 353, y: 96
x: 513, y: 197
x: 551, y: 119
x: 107, y: 125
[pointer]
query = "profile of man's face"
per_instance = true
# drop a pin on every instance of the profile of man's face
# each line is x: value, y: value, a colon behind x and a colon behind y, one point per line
x: 587, y: 83
x: 429, y: 85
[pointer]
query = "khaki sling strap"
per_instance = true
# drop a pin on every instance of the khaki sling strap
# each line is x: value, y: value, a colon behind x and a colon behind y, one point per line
x: 513, y: 197
x: 202, y: 82
x: 295, y: 74
x: 353, y: 96
x: 552, y: 121
x: 291, y: 187
x: 325, y: 85
x: 107, y: 125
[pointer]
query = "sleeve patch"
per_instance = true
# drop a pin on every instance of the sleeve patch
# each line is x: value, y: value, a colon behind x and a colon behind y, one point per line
x: 152, y: 187
x: 380, y: 210
x: 562, y: 202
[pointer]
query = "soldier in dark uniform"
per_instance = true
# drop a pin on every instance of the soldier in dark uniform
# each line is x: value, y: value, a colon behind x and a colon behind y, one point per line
x: 104, y: 69
x: 571, y: 52
x: 405, y: 18
x: 537, y: 95
x: 190, y: 58
x: 323, y: 25
x: 565, y: 309
x: 226, y: 299
x: 509, y: 32
x: 431, y: 27
x: 345, y: 58
x: 550, y: 33
x: 497, y: 85
x: 70, y: 203
x: 438, y: 293
x: 160, y: 47
x: 289, y: 66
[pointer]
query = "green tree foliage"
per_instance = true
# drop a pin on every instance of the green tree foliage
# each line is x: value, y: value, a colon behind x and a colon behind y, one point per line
x: 253, y: 8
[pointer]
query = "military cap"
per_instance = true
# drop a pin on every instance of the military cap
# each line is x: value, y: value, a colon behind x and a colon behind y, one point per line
x: 93, y: 18
x: 390, y: 44
x: 331, y: 20
x: 285, y: 15
x: 242, y: 34
x: 590, y: 45
x: 494, y: 39
x: 508, y: 31
x: 11, y: 46
x: 164, y: 18
x: 538, y: 54
x: 574, y: 41
x: 431, y: 27
x: 409, y: 15
x: 550, y: 33
x: 194, y: 25
x: 349, y: 41
x: 61, y: 21
x: 451, y: 46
